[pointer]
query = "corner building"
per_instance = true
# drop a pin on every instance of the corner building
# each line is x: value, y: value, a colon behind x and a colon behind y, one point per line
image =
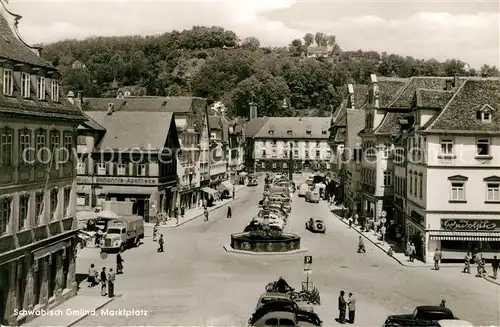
x: 37, y: 199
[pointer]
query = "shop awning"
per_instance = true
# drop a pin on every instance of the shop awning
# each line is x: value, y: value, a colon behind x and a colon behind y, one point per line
x: 226, y: 186
x: 211, y: 192
x: 446, y: 235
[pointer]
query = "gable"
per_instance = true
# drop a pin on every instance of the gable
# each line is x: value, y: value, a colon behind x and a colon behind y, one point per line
x: 458, y: 178
x: 486, y: 108
x: 172, y: 141
x: 493, y: 178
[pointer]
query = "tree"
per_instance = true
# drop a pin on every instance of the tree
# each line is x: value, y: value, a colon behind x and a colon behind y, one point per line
x: 308, y: 39
x: 296, y: 48
x: 489, y: 71
x: 331, y: 40
x: 250, y: 43
x: 320, y: 39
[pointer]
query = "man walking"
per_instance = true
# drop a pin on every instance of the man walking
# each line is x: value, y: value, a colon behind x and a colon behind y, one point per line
x: 206, y: 214
x: 352, y: 308
x: 437, y: 259
x: 412, y: 251
x: 361, y: 245
x: 160, y: 243
x: 119, y: 263
x: 467, y: 263
x: 111, y: 283
x: 342, y: 307
x: 494, y: 265
x: 104, y: 279
x: 234, y: 191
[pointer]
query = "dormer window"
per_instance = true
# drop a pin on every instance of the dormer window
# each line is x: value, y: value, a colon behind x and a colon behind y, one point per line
x: 40, y: 88
x: 323, y: 132
x: 485, y: 114
x: 25, y: 85
x: 289, y: 132
x: 308, y: 132
x: 486, y: 117
x: 8, y: 82
x: 271, y: 132
x: 55, y: 90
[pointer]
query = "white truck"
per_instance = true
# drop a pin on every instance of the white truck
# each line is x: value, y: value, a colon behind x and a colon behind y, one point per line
x: 122, y: 233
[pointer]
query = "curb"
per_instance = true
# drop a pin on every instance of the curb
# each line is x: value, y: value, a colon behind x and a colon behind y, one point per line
x: 491, y: 280
x: 201, y: 215
x: 229, y: 249
x: 85, y: 315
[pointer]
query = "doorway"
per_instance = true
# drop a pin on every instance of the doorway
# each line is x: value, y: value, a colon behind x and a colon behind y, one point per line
x: 4, y: 293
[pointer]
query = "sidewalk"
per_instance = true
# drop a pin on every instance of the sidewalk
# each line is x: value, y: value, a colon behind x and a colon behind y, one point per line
x: 71, y: 311
x: 196, y: 212
x: 397, y: 255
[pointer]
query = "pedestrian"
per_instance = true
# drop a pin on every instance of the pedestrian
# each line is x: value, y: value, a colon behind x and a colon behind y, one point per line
x: 160, y: 243
x: 91, y: 279
x: 104, y: 279
x: 467, y: 263
x: 234, y: 191
x: 437, y: 259
x: 413, y: 252
x: 352, y: 308
x: 443, y: 303
x: 206, y: 214
x: 350, y: 221
x: 229, y: 213
x: 111, y: 283
x: 183, y: 210
x: 342, y: 307
x: 361, y: 245
x: 494, y: 265
x: 119, y: 263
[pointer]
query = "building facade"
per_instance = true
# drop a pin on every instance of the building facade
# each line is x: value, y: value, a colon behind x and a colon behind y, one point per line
x: 251, y: 128
x: 304, y: 138
x: 235, y: 153
x: 38, y: 127
x: 135, y: 160
x: 219, y: 145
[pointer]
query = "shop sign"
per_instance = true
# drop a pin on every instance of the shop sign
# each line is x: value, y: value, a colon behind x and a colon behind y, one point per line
x: 468, y: 224
x: 118, y: 180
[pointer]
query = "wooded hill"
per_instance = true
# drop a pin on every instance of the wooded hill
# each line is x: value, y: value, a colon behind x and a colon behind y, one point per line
x: 212, y: 62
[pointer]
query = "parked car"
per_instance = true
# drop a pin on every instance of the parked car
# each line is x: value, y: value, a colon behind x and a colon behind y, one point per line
x: 277, y: 318
x: 303, y: 188
x: 309, y: 318
x: 270, y: 297
x: 312, y: 196
x: 316, y: 225
x: 454, y: 323
x: 426, y: 315
x: 252, y: 181
x: 272, y: 306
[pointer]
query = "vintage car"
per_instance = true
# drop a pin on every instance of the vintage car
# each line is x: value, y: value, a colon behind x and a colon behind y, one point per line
x: 308, y: 318
x: 252, y: 181
x: 316, y: 225
x: 269, y: 297
x: 277, y: 318
x: 454, y: 323
x: 426, y: 315
x: 278, y: 305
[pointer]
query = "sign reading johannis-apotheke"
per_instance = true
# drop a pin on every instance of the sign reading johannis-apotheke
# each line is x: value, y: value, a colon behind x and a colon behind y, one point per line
x: 119, y: 180
x: 469, y: 224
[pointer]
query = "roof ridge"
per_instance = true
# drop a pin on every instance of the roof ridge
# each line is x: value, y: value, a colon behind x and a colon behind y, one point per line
x: 381, y: 123
x: 401, y: 91
x: 447, y: 105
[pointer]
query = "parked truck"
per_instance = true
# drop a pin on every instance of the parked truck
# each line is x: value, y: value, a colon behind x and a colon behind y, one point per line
x: 123, y: 233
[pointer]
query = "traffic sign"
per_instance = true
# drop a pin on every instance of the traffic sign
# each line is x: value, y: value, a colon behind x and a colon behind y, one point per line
x: 308, y: 259
x: 383, y: 220
x: 383, y: 214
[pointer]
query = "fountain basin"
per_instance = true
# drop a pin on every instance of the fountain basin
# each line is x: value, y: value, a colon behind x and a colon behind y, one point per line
x: 256, y: 243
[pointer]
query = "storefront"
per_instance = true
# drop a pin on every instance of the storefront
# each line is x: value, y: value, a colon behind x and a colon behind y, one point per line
x: 458, y: 236
x: 189, y: 197
x: 209, y: 195
x: 415, y: 233
x: 226, y: 189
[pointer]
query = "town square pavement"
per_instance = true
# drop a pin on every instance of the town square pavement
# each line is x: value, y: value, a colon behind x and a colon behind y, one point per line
x: 195, y: 282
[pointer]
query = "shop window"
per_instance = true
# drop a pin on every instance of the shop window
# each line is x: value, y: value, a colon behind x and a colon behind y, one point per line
x: 121, y: 169
x: 5, y: 204
x: 483, y: 147
x: 23, y: 210
x: 38, y: 207
x: 53, y: 203
x: 101, y: 168
x: 457, y: 191
x: 493, y: 192
x: 141, y: 170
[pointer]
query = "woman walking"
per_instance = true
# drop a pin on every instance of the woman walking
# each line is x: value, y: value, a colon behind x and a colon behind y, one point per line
x: 229, y: 212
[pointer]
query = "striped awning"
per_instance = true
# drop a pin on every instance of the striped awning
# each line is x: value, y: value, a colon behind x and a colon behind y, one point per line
x: 448, y: 235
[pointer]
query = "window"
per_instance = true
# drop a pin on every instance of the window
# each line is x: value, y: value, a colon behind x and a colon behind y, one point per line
x: 289, y: 132
x: 55, y: 90
x: 271, y: 322
x: 486, y: 117
x: 457, y: 191
x: 41, y: 152
x: 387, y: 178
x: 306, y: 153
x: 274, y: 164
x: 68, y: 144
x: 483, y: 147
x: 141, y: 170
x: 5, y: 204
x: 318, y: 154
x: 25, y: 85
x: 38, y: 207
x: 296, y: 153
x: 6, y: 147
x: 23, y: 210
x: 53, y: 203
x: 25, y: 154
x: 307, y: 144
x: 121, y: 170
x: 101, y: 168
x: 54, y: 140
x: 387, y: 149
x: 421, y: 185
x: 8, y: 82
x: 446, y: 147
x: 67, y: 195
x: 80, y: 168
x: 493, y: 192
x: 285, y: 165
x: 263, y: 153
x: 328, y: 153
x: 415, y: 185
x: 40, y: 88
x: 410, y: 189
x: 274, y: 153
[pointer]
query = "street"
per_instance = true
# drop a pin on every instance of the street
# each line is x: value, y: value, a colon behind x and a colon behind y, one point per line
x: 195, y: 282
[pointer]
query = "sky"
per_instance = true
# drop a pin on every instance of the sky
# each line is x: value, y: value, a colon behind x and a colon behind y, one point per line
x: 466, y: 30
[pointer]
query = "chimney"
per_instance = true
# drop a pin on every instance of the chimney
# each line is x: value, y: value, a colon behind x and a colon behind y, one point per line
x: 71, y: 97
x: 111, y: 108
x: 79, y: 98
x: 455, y: 81
x: 253, y: 110
x: 350, y: 88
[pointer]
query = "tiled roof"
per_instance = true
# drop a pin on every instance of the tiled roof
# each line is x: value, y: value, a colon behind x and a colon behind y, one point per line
x: 214, y: 122
x: 253, y: 126
x: 388, y: 89
x: 144, y: 104
x: 360, y: 95
x: 129, y: 129
x: 433, y: 99
x: 91, y: 123
x: 12, y: 48
x: 355, y: 123
x: 338, y: 111
x: 297, y: 126
x: 460, y: 114
x: 340, y: 135
x: 390, y: 122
